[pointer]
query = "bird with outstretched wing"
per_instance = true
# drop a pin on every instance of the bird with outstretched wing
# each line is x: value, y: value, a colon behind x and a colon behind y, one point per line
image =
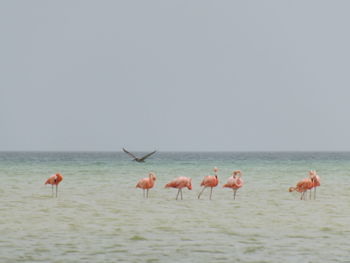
x: 140, y: 160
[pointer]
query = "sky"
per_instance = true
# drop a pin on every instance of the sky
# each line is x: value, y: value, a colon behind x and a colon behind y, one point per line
x: 174, y: 75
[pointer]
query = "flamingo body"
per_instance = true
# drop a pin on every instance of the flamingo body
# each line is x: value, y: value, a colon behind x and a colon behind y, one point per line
x: 179, y: 183
x: 210, y: 181
x: 54, y: 179
x: 234, y: 183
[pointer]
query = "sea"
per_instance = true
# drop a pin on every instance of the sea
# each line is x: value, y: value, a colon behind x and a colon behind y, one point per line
x: 99, y: 215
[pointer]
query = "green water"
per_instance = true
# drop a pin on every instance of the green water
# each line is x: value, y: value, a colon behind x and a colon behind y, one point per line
x: 99, y: 215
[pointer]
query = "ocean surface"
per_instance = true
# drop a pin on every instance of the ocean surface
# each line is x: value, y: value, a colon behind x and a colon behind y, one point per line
x: 99, y: 215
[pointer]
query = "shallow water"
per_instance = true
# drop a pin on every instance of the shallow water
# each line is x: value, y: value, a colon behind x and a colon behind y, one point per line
x: 99, y: 215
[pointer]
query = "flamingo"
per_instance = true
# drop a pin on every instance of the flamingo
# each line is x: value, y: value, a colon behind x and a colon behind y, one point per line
x: 302, y: 186
x: 235, y: 182
x: 210, y: 181
x: 146, y: 183
x: 179, y: 183
x: 316, y: 181
x: 54, y: 179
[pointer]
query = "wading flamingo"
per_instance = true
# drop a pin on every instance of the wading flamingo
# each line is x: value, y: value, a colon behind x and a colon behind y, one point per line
x: 180, y: 183
x: 235, y: 182
x: 210, y: 181
x: 316, y: 181
x: 302, y: 186
x: 54, y: 179
x: 146, y: 183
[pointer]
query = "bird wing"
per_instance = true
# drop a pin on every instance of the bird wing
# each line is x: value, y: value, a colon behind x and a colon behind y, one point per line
x: 146, y: 156
x: 129, y: 153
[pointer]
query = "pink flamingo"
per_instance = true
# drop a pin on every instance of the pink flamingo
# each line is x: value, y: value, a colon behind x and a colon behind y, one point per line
x: 180, y: 183
x: 146, y: 183
x: 316, y: 181
x: 210, y: 181
x: 302, y: 186
x: 54, y: 179
x: 235, y: 182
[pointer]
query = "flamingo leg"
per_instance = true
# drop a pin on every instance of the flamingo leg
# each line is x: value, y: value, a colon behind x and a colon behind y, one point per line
x: 310, y: 194
x: 234, y: 194
x: 52, y: 189
x: 315, y: 193
x: 56, y: 189
x: 201, y: 192
x: 181, y: 192
x: 147, y: 193
x: 211, y: 191
x: 178, y: 193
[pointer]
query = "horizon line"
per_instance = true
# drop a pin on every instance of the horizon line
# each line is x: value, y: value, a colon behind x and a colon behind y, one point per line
x: 180, y: 151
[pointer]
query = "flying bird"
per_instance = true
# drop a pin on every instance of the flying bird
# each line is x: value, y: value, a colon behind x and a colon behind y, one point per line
x: 140, y: 160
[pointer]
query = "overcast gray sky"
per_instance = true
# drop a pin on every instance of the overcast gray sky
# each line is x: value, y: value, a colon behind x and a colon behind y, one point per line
x: 175, y: 75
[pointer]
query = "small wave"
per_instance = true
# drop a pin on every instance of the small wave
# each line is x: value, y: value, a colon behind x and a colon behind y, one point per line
x: 137, y: 238
x: 300, y: 236
x: 252, y: 249
x: 120, y: 250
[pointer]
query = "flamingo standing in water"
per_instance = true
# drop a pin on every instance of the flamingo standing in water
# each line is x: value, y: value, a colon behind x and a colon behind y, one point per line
x: 235, y: 182
x: 146, y: 183
x: 316, y: 181
x: 54, y: 179
x: 302, y: 186
x: 180, y: 183
x: 210, y: 181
